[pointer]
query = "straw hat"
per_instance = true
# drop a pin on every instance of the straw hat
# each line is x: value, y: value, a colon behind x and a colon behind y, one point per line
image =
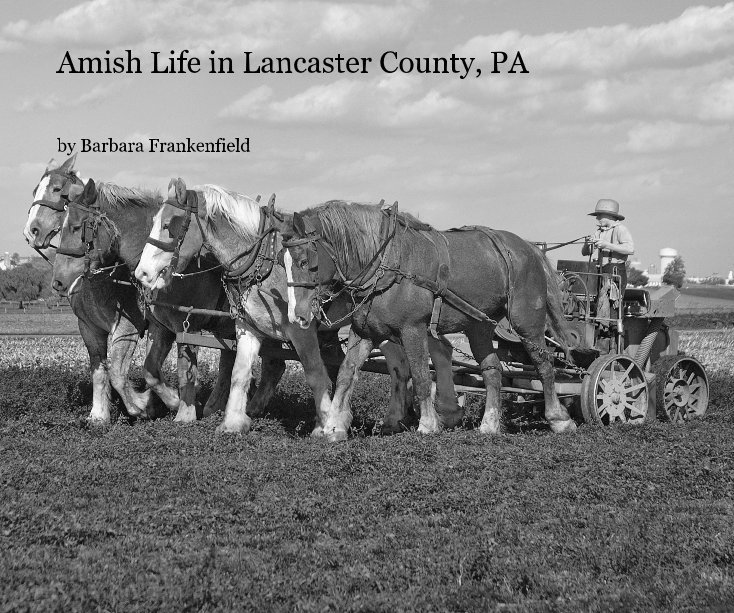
x: 607, y: 207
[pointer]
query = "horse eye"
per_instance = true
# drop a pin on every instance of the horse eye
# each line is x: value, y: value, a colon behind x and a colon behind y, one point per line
x: 76, y: 228
x: 57, y: 189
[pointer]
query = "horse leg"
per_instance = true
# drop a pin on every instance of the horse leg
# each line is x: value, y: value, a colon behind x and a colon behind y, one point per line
x: 162, y: 340
x: 218, y: 398
x: 236, y: 420
x: 400, y: 410
x: 415, y: 341
x: 331, y: 353
x: 317, y: 377
x: 272, y: 370
x: 188, y: 374
x: 447, y: 403
x: 555, y: 412
x: 480, y: 341
x: 123, y: 340
x: 96, y: 343
x: 339, y: 419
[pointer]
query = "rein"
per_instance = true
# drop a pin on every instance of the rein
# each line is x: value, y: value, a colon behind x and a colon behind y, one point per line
x: 438, y: 287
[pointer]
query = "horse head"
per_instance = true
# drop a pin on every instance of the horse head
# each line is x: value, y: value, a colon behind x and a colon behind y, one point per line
x: 46, y: 213
x: 87, y: 238
x: 170, y: 247
x: 309, y: 267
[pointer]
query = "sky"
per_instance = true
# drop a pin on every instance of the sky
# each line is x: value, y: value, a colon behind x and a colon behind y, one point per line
x: 626, y: 100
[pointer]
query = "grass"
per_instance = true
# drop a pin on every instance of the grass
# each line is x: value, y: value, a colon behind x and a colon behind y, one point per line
x: 43, y: 322
x: 152, y: 516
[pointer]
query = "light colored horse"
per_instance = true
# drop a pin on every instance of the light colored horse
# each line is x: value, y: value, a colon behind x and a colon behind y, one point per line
x: 231, y: 224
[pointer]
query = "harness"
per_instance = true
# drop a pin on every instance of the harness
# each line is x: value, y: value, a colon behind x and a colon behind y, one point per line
x: 253, y: 265
x: 91, y: 222
x: 373, y: 278
x: 56, y: 205
x: 250, y: 267
x: 179, y: 226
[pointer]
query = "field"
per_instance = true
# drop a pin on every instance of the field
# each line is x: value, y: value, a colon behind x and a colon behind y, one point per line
x: 706, y: 298
x: 151, y: 516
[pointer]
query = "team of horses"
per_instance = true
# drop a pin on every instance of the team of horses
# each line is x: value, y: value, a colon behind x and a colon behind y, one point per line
x: 295, y: 278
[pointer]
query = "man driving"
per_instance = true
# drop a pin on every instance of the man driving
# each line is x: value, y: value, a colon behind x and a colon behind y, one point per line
x: 612, y: 239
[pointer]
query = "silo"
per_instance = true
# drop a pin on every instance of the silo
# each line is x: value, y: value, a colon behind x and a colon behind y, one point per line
x: 667, y: 255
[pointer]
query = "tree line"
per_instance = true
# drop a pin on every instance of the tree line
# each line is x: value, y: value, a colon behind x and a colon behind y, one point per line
x: 28, y: 281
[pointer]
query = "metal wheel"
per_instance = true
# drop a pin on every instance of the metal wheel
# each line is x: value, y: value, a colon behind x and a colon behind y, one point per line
x: 615, y: 390
x: 682, y: 388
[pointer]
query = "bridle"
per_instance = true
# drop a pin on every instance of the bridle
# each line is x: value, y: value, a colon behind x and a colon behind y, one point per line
x: 179, y: 226
x: 90, y: 224
x: 323, y: 263
x: 59, y: 205
x: 235, y: 269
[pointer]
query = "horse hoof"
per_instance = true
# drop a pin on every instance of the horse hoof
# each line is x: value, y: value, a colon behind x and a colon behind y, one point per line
x: 489, y: 429
x: 560, y: 427
x: 389, y: 429
x: 317, y: 432
x: 424, y: 429
x: 225, y: 429
x: 186, y: 414
x: 337, y: 436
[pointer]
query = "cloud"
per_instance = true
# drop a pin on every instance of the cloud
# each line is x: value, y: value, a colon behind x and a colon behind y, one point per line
x: 668, y: 136
x: 393, y: 101
x: 703, y: 93
x: 52, y: 102
x: 201, y: 25
x: 699, y: 31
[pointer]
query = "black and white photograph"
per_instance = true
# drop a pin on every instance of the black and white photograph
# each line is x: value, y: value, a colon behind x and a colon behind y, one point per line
x: 367, y: 306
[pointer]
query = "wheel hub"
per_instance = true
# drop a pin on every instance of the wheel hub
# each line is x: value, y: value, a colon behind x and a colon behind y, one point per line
x: 681, y: 393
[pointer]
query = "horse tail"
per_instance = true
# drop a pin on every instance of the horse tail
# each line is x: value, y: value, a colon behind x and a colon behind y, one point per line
x: 555, y: 321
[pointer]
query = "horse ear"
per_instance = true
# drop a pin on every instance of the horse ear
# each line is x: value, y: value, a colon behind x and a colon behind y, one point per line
x: 89, y: 195
x: 298, y: 225
x: 283, y: 222
x: 51, y: 164
x: 180, y: 186
x: 68, y: 164
x: 74, y: 191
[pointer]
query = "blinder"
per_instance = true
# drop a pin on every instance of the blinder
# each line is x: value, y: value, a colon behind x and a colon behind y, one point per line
x: 175, y: 227
x: 89, y: 232
x: 319, y: 259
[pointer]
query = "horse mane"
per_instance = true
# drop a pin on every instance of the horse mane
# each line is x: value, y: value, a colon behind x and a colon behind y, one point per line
x: 112, y: 197
x: 118, y: 197
x: 353, y: 229
x: 242, y: 212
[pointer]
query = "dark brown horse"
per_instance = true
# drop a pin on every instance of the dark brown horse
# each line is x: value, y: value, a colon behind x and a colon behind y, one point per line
x: 109, y: 320
x: 406, y: 278
x: 102, y: 235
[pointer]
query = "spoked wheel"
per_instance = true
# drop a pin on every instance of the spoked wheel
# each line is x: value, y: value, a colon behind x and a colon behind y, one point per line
x: 682, y: 388
x: 615, y: 390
